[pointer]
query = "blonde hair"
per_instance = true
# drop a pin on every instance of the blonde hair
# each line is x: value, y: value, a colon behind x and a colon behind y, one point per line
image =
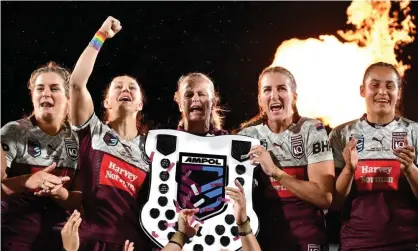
x: 216, y: 120
x: 65, y: 74
x: 51, y: 67
x: 261, y: 116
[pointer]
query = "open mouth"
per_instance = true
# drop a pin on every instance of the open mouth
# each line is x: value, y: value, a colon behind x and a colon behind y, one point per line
x: 276, y: 107
x: 46, y: 104
x: 196, y: 109
x: 125, y: 98
x: 381, y: 101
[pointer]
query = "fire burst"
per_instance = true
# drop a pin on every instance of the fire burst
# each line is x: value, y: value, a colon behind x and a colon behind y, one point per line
x: 329, y: 72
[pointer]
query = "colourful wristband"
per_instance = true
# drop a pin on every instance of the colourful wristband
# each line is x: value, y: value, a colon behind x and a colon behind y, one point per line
x: 98, y: 40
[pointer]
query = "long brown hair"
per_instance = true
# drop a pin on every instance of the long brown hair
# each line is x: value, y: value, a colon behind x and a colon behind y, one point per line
x: 261, y: 117
x: 65, y: 74
x: 140, y: 126
x: 216, y: 119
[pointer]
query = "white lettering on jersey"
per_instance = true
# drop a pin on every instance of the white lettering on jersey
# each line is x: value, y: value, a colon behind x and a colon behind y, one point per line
x: 376, y: 179
x: 132, y: 177
x: 375, y: 169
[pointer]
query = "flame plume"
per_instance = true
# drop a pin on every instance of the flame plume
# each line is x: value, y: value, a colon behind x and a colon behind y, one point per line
x: 329, y: 71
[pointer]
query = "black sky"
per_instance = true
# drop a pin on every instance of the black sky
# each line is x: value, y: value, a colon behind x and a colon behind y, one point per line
x: 160, y: 41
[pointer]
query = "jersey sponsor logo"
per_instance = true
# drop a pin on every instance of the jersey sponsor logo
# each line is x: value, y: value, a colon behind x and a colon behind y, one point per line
x: 71, y: 148
x: 321, y: 146
x: 379, y: 145
x: 201, y: 180
x: 398, y: 139
x: 360, y: 141
x: 379, y: 140
x: 5, y: 147
x: 281, y: 191
x: 110, y: 139
x: 376, y: 175
x: 280, y: 153
x: 314, y: 247
x: 121, y: 175
x: 34, y: 147
x: 298, y: 150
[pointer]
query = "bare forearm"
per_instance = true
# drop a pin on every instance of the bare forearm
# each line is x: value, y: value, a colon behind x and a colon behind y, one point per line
x: 84, y: 67
x: 304, y: 190
x: 412, y: 177
x: 342, y: 187
x: 171, y: 247
x: 14, y: 185
x: 250, y: 243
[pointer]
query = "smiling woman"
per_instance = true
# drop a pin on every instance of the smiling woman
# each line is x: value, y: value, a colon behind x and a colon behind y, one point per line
x: 31, y: 168
x: 296, y: 174
x: 375, y: 157
x: 113, y: 164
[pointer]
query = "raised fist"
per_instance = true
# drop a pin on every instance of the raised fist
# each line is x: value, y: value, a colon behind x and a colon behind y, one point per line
x: 110, y: 27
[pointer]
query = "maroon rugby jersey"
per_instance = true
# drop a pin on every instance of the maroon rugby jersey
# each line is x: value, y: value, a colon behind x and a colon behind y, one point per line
x: 286, y: 222
x: 114, y: 172
x: 381, y: 212
x: 30, y: 222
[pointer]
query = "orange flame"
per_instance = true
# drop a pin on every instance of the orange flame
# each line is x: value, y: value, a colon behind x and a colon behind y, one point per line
x: 329, y: 72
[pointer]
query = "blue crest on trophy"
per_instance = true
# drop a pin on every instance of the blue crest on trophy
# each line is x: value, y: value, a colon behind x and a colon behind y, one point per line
x: 201, y: 180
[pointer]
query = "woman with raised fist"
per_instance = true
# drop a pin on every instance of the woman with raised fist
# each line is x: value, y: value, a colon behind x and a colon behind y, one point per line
x: 375, y: 157
x: 113, y: 164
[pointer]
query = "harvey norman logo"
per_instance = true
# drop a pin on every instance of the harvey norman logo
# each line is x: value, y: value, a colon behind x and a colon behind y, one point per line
x: 202, y: 160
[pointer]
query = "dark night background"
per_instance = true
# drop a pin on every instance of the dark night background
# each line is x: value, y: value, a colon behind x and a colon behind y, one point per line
x: 160, y: 41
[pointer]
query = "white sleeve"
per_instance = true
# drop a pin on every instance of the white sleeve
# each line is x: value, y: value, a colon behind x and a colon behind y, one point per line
x: 92, y: 124
x: 317, y: 146
x: 12, y: 141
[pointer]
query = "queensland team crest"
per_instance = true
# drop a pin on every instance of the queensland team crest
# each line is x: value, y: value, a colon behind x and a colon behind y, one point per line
x: 201, y: 182
x: 110, y: 139
x: 71, y: 148
x: 34, y: 147
x: 360, y: 141
x: 296, y: 142
x: 398, y: 140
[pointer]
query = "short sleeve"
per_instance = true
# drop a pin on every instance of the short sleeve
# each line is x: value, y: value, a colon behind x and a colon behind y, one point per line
x: 318, y: 148
x: 249, y: 132
x: 11, y: 141
x: 90, y: 126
